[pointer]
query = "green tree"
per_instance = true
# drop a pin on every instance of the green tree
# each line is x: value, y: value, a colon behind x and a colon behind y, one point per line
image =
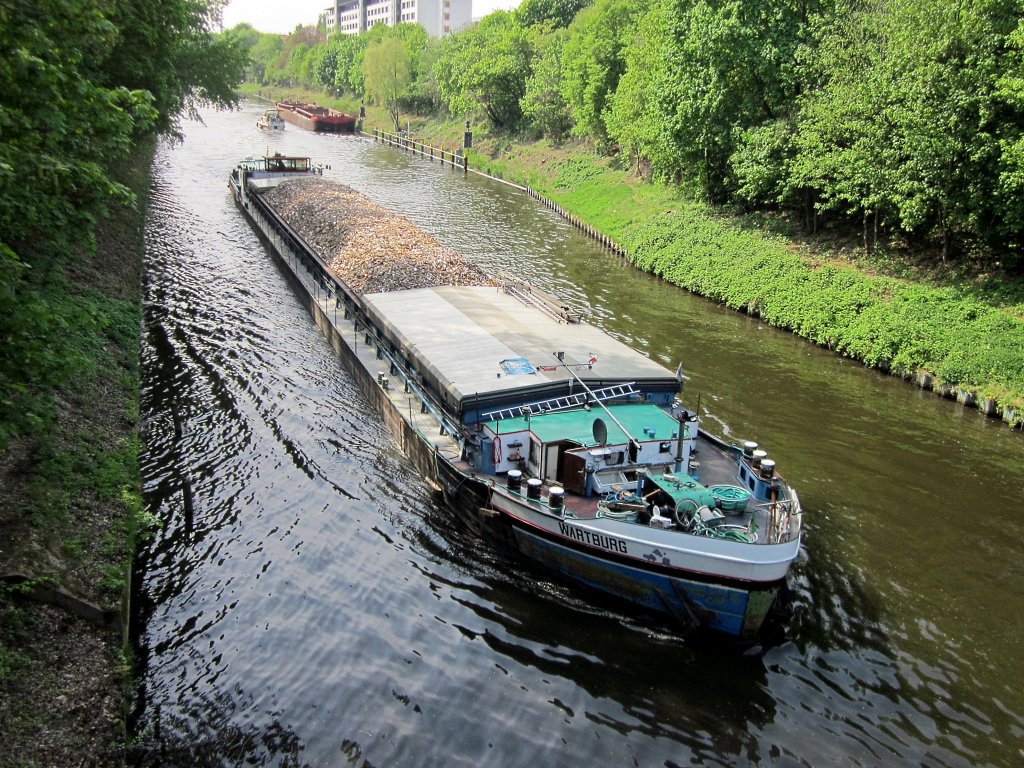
x: 761, y: 164
x: 556, y: 13
x: 387, y: 74
x: 327, y: 66
x: 594, y: 60
x: 731, y: 64
x: 414, y: 39
x: 904, y: 125
x: 296, y: 62
x: 348, y: 76
x: 263, y: 58
x: 1010, y: 181
x: 247, y: 39
x: 355, y: 64
x: 845, y: 141
x: 424, y: 93
x: 543, y: 105
x: 485, y: 68
x: 169, y: 50
x: 82, y: 81
x: 634, y: 120
x: 946, y: 60
x: 421, y: 93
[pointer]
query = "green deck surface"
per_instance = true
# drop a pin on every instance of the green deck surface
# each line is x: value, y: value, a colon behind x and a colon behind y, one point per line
x: 578, y: 425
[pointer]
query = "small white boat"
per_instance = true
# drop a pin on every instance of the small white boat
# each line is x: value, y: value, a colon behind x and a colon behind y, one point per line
x: 271, y: 120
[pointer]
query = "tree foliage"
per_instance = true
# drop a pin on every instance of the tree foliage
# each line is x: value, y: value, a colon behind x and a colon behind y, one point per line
x: 83, y: 81
x: 729, y: 68
x: 168, y: 50
x: 844, y: 130
x: 387, y: 73
x: 554, y: 13
x: 633, y: 119
x: 904, y: 125
x: 594, y: 61
x: 1010, y: 92
x: 485, y: 68
x: 349, y: 74
x: 543, y: 104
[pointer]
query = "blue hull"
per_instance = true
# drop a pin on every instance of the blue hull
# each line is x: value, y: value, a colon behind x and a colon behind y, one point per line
x: 734, y: 611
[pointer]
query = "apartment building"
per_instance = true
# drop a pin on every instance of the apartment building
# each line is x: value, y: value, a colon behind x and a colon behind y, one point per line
x: 438, y: 17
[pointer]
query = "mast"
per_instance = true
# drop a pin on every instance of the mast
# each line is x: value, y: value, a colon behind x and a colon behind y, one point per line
x: 633, y: 444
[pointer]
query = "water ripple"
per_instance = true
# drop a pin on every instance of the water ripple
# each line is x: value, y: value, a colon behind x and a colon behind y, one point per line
x: 307, y: 601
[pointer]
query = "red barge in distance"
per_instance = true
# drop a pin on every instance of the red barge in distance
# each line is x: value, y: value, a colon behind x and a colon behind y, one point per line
x: 314, y: 118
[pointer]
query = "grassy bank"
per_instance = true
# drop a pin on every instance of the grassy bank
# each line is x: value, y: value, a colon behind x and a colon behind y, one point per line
x: 70, y: 509
x: 959, y: 334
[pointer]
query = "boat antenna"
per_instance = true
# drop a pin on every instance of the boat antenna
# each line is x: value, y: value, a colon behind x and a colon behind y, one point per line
x: 594, y: 397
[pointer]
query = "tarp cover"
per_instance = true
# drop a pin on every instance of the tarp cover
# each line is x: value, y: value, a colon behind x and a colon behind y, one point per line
x: 461, y: 337
x: 517, y: 366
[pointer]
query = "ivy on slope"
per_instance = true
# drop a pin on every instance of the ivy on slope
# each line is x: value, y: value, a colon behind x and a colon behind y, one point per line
x: 881, y: 321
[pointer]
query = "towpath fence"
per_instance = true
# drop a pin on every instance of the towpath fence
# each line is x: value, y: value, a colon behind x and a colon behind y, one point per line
x: 400, y: 140
x: 459, y: 160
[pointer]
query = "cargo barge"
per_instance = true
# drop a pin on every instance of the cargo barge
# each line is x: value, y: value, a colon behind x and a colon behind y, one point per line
x: 313, y: 118
x: 546, y: 435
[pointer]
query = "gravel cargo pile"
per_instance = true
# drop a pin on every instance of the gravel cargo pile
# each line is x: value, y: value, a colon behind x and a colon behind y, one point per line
x: 365, y: 244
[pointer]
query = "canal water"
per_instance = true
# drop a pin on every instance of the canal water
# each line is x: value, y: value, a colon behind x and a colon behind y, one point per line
x: 306, y: 601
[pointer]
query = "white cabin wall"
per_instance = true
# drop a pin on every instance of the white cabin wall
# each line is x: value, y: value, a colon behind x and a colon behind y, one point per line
x: 513, y: 449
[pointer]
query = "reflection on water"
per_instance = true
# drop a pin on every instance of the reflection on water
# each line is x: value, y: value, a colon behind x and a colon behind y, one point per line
x: 307, y: 602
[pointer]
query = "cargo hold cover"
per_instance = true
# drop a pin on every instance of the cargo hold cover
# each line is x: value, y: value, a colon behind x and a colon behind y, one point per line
x: 479, y: 342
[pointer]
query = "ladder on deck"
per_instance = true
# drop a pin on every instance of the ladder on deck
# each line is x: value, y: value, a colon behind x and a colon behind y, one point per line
x: 614, y: 392
x: 547, y: 304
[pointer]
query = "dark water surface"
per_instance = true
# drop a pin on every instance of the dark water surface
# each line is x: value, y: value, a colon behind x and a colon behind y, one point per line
x: 307, y: 602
